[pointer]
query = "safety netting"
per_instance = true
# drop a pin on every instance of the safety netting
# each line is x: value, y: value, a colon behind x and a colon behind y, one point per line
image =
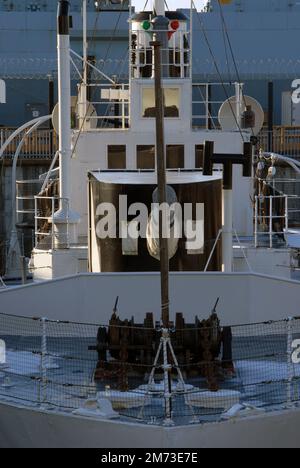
x: 149, y: 374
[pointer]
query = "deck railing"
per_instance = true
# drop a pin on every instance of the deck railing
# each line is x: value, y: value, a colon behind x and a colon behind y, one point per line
x: 42, y: 143
x: 59, y: 365
x: 284, y: 140
x: 46, y: 236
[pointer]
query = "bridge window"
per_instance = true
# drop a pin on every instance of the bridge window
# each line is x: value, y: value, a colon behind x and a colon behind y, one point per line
x: 145, y: 157
x: 171, y: 101
x: 175, y: 157
x: 116, y: 157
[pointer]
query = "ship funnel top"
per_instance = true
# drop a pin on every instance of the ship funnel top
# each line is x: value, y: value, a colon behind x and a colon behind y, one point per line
x: 63, y: 19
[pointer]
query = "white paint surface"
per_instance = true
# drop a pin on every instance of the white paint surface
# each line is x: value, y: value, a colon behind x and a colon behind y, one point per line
x: 244, y: 297
x: 54, y: 430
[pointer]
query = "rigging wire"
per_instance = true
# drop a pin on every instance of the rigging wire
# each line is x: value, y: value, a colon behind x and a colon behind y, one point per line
x: 225, y: 29
x: 217, y: 70
x: 106, y: 55
x: 226, y: 53
x: 114, y: 32
x: 145, y: 6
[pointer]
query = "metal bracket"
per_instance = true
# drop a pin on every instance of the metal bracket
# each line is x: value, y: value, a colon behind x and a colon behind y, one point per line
x: 210, y: 158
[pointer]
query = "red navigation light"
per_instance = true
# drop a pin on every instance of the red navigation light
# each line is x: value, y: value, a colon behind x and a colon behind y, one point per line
x: 175, y: 25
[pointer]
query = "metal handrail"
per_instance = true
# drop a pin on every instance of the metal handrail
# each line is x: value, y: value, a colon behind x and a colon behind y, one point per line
x: 181, y: 54
x: 52, y: 233
x: 104, y: 106
x: 270, y: 217
x: 285, y: 140
x: 20, y: 210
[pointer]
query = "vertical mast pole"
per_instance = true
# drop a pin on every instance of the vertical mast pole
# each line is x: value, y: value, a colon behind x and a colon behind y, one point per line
x: 227, y: 247
x: 85, y: 59
x: 238, y: 99
x: 270, y: 115
x: 64, y: 218
x: 161, y: 179
x: 64, y: 97
x: 50, y: 108
x: 159, y: 8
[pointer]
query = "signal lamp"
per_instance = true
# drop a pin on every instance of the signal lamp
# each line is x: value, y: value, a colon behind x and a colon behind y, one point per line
x: 146, y: 25
x: 175, y: 25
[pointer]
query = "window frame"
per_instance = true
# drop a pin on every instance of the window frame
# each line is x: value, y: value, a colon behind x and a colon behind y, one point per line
x: 107, y: 155
x: 164, y: 87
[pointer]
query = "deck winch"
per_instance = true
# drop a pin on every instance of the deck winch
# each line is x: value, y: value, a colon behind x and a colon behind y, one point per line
x: 127, y: 349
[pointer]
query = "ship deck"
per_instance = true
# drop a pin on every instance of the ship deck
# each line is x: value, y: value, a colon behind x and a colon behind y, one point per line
x: 62, y: 379
x: 49, y: 364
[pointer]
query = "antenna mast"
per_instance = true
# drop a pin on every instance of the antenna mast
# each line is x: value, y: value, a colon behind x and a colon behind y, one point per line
x: 85, y: 60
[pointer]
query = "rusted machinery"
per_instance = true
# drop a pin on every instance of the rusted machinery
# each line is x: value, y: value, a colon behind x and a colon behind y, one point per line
x: 126, y: 348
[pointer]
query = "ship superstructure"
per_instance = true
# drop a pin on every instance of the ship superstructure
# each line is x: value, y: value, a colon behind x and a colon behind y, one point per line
x: 30, y: 64
x: 115, y: 131
x: 88, y: 376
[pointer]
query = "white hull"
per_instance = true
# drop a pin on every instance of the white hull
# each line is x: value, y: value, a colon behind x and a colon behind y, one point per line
x: 31, y: 428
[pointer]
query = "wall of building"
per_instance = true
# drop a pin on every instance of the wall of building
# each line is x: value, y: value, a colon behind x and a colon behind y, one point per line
x: 263, y: 35
x: 28, y: 49
x: 264, y: 46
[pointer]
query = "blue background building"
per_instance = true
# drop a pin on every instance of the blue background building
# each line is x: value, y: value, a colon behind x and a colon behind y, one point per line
x: 263, y: 36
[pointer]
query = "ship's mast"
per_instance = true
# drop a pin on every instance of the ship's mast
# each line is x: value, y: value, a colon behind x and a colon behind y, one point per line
x: 85, y: 61
x: 159, y: 8
x: 160, y: 23
x: 161, y: 180
x: 65, y: 219
x: 64, y: 97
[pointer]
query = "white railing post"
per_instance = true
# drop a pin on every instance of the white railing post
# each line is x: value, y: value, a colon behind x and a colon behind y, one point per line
x: 286, y: 212
x: 181, y: 52
x: 43, y: 395
x: 123, y: 108
x: 207, y: 105
x: 52, y: 223
x: 36, y: 221
x: 290, y: 367
x: 167, y: 390
x: 271, y: 222
x: 256, y: 222
x: 68, y: 243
